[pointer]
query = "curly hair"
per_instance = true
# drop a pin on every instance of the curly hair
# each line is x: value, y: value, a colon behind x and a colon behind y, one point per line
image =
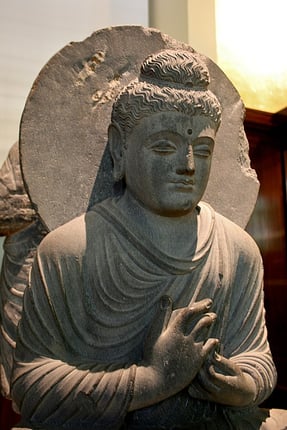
x: 171, y: 80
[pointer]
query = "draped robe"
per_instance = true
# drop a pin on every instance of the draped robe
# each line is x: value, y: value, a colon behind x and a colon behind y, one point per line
x: 95, y: 288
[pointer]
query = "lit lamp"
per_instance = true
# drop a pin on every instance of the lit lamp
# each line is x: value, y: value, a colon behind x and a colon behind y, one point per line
x: 250, y: 38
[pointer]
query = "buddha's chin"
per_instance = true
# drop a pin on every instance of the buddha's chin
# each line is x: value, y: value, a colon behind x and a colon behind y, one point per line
x: 178, y: 208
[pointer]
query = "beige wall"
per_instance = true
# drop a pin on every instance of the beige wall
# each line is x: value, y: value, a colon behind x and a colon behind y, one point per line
x: 171, y: 17
x: 191, y: 21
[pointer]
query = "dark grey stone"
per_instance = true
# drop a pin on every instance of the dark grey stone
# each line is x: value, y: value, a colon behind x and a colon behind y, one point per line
x: 63, y: 132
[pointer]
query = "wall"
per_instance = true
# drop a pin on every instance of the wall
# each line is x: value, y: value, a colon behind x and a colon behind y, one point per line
x: 191, y: 21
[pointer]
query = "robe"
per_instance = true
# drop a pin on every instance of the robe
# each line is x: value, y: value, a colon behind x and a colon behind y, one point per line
x: 95, y: 288
x: 19, y: 250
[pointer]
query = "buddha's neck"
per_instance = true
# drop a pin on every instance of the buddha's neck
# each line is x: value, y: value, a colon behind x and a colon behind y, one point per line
x: 173, y: 235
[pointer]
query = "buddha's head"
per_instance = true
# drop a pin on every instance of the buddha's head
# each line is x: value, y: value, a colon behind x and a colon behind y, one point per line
x: 162, y: 132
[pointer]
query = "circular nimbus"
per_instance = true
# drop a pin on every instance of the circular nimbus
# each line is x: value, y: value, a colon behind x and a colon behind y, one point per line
x: 65, y: 162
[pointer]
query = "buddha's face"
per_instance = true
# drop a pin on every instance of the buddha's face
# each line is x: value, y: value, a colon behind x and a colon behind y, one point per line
x: 167, y: 161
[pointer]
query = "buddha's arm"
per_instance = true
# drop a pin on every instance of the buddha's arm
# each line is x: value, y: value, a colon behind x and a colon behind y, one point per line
x: 245, y: 373
x: 55, y: 382
x: 52, y: 391
x: 49, y: 392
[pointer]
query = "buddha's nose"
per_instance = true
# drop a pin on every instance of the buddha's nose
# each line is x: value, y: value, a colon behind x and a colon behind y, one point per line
x: 186, y: 164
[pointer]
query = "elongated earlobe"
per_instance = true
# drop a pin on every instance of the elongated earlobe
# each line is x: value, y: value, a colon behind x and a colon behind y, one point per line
x: 117, y: 149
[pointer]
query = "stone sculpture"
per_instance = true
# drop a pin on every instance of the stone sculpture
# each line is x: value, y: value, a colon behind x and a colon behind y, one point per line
x: 24, y: 231
x: 146, y: 311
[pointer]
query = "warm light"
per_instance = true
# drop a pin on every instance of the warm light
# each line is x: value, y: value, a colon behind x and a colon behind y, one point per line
x: 251, y: 49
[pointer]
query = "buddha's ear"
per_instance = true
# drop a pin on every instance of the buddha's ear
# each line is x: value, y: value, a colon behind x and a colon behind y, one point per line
x: 117, y: 150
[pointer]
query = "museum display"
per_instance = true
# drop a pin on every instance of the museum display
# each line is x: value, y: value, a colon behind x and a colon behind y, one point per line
x: 143, y: 304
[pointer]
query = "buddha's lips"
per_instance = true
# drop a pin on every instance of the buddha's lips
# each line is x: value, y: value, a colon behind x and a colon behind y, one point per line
x: 183, y: 181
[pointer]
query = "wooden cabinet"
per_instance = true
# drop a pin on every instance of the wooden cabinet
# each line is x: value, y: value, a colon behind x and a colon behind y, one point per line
x: 267, y: 135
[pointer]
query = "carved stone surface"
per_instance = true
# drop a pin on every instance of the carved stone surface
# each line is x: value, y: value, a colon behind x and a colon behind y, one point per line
x: 20, y: 223
x: 16, y: 210
x: 146, y: 311
x: 67, y: 112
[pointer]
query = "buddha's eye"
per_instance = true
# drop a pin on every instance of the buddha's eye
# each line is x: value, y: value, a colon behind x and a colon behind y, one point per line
x: 163, y: 147
x: 202, y: 151
x: 203, y: 147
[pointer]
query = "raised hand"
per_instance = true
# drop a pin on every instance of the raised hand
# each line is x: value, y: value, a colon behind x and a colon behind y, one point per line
x: 175, y: 349
x: 221, y: 380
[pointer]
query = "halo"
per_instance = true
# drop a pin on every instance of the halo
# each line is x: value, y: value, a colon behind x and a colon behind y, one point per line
x: 65, y: 161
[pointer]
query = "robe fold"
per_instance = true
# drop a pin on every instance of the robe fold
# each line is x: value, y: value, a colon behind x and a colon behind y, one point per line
x: 95, y: 288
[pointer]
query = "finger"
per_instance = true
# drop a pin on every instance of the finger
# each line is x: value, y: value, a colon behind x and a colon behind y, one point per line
x: 225, y: 366
x: 203, y: 386
x: 207, y: 379
x: 209, y: 358
x: 201, y: 306
x: 185, y: 316
x: 218, y: 379
x: 200, y: 330
x: 208, y: 346
x: 160, y: 320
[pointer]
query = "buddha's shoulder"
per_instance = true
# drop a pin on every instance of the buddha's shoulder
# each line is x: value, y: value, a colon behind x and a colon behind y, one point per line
x: 237, y: 238
x: 70, y: 239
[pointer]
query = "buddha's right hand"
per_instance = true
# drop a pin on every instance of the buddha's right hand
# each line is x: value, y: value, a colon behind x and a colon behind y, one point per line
x: 178, y: 343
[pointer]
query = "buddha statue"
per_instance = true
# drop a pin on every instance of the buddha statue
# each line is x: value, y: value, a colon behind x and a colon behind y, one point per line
x: 146, y: 311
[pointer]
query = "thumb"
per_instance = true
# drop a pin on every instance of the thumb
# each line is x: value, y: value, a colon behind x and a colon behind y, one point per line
x: 160, y: 320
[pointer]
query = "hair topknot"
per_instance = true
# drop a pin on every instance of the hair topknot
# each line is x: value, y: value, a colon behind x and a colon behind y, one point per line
x: 177, y: 67
x: 170, y: 80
